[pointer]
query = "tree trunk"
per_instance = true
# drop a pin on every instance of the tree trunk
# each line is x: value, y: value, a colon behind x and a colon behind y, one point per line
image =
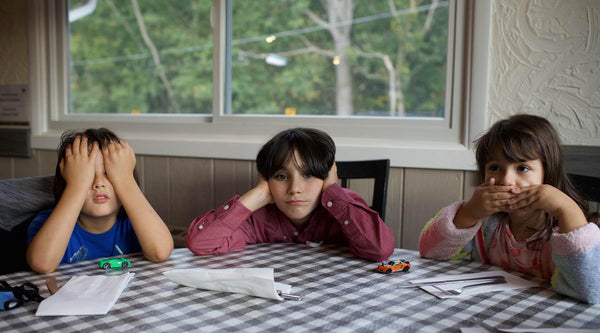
x: 340, y: 13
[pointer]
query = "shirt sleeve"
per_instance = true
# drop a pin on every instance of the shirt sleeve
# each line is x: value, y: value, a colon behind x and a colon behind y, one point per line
x: 218, y: 231
x: 576, y: 255
x: 365, y: 232
x: 441, y: 240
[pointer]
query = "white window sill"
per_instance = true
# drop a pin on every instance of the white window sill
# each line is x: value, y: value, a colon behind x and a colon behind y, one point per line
x: 449, y: 156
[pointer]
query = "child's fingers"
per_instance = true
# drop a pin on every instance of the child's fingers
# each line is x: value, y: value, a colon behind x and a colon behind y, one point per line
x: 114, y: 147
x: 526, y: 188
x: 83, y: 145
x: 487, y: 187
x: 524, y: 199
x: 69, y: 150
x: 332, y: 177
x: 500, y: 195
x: 95, y: 151
x: 73, y: 148
x: 109, y: 149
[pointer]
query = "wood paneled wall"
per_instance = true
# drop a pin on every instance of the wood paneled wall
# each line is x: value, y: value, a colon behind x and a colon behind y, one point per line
x: 182, y: 188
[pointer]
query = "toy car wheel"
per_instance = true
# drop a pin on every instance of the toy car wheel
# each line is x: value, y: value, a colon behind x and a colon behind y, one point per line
x: 125, y: 264
x: 405, y: 269
x: 388, y: 271
x: 106, y: 266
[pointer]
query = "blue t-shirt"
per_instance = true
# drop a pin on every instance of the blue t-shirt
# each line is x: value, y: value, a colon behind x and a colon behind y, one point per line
x: 86, y: 245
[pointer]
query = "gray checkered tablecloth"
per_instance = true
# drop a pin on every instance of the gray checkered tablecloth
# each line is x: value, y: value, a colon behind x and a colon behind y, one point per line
x: 341, y: 294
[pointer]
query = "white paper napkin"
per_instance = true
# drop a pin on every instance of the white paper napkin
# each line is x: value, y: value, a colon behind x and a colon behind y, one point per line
x: 85, y: 295
x: 512, y: 282
x: 248, y: 281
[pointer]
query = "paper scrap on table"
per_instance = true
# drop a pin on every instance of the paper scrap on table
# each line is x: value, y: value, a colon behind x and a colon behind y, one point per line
x: 248, y: 281
x: 85, y: 295
x: 512, y: 282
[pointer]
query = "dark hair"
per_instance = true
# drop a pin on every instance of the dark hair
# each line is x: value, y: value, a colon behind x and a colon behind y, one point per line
x: 101, y: 135
x: 524, y: 137
x: 315, y: 148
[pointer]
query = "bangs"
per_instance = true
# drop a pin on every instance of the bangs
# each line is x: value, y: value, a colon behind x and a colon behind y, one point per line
x: 280, y: 159
x: 516, y: 143
x: 306, y: 160
x: 519, y: 149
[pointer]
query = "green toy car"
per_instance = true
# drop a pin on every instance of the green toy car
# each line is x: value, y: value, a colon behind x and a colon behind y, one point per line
x: 114, y: 263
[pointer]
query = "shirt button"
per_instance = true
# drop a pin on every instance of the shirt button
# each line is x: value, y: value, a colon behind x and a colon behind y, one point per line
x: 226, y: 207
x: 329, y: 203
x: 345, y: 222
x: 295, y: 233
x: 200, y: 227
x: 284, y: 237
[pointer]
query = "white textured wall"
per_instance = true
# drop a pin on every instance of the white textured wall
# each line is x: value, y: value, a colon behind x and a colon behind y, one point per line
x: 546, y: 61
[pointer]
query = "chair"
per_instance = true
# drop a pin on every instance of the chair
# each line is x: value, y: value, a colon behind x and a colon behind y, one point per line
x: 377, y: 169
x: 20, y: 200
x: 588, y: 186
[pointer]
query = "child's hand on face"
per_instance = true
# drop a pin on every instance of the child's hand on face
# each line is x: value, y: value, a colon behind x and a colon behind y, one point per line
x: 119, y: 161
x: 332, y: 177
x: 487, y: 199
x: 263, y: 186
x: 78, y: 165
x: 259, y: 196
x: 542, y: 197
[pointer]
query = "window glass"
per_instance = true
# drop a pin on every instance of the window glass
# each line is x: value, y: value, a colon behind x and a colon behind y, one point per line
x: 384, y: 58
x: 140, y: 56
x: 346, y: 58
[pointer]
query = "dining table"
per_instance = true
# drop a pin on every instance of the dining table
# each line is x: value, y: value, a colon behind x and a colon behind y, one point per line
x: 340, y: 293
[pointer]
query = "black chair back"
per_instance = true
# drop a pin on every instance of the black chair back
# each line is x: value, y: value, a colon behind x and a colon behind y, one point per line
x: 376, y: 169
x: 588, y: 186
x: 20, y: 201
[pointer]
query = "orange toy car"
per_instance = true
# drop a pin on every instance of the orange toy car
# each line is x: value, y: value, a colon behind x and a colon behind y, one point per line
x: 394, y: 266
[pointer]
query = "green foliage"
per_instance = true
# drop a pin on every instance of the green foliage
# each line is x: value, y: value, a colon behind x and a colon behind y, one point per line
x: 113, y: 69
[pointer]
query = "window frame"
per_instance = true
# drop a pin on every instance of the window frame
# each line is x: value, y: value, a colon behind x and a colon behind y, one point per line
x: 413, y: 142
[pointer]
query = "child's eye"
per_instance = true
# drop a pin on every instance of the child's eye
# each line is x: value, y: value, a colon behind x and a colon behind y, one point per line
x: 308, y: 175
x: 280, y: 177
x: 493, y: 167
x: 523, y: 168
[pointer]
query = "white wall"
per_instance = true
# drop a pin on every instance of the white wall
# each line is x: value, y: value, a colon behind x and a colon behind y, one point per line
x: 546, y: 61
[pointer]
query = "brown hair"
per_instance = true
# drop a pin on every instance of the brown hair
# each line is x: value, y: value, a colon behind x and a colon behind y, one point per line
x: 315, y: 148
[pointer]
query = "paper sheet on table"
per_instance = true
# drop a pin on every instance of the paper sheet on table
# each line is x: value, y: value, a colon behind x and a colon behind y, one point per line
x: 512, y: 282
x: 85, y: 295
x: 248, y: 281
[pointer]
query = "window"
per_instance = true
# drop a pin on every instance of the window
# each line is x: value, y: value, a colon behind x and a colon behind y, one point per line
x: 146, y: 56
x: 339, y: 58
x: 294, y: 57
x: 248, y: 69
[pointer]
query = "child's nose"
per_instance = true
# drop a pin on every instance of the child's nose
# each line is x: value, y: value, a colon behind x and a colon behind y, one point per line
x: 295, y: 185
x: 507, y: 178
x: 99, y: 182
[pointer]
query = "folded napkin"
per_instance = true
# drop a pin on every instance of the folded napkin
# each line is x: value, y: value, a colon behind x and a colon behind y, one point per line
x: 85, y: 295
x: 248, y: 281
x: 437, y: 290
